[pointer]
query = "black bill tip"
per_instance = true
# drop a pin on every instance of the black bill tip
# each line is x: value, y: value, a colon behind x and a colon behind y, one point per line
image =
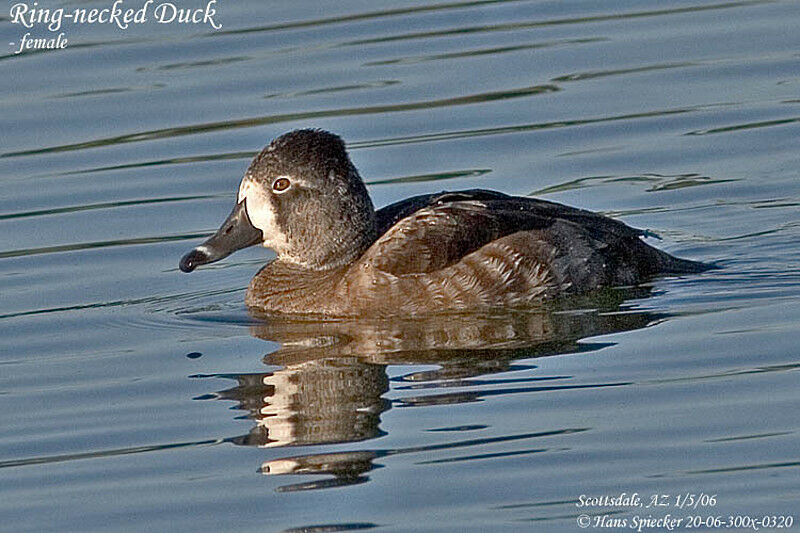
x: 192, y: 260
x: 237, y: 232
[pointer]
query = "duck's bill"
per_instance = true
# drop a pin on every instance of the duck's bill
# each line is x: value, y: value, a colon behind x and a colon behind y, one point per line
x: 236, y: 232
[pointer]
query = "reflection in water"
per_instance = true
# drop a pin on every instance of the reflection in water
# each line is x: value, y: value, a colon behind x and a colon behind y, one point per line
x: 314, y: 402
x: 333, y: 376
x: 347, y: 468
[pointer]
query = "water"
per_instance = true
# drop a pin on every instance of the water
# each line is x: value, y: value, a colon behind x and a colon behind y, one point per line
x: 133, y: 397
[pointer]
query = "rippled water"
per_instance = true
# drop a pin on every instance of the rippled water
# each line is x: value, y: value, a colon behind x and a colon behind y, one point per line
x: 133, y: 397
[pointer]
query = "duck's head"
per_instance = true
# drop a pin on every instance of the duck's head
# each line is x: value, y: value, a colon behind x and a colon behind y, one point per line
x: 303, y: 198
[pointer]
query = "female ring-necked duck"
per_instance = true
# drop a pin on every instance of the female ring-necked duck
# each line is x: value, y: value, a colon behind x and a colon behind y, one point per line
x: 451, y: 251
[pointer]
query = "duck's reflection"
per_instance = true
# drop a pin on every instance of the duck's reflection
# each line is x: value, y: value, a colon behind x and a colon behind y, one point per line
x: 347, y: 468
x: 332, y: 378
x: 320, y: 401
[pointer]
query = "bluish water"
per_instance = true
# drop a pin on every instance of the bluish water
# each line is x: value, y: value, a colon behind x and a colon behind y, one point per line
x: 133, y: 397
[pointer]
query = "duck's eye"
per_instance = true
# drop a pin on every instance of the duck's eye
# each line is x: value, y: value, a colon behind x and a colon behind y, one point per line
x: 281, y: 184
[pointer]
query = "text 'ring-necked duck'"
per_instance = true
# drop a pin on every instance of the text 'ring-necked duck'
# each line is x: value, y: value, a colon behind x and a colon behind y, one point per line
x: 435, y: 253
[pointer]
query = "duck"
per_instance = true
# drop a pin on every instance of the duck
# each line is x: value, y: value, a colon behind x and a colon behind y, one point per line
x: 448, y: 252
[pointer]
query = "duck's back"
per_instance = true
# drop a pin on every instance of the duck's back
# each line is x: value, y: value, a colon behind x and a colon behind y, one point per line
x: 478, y: 248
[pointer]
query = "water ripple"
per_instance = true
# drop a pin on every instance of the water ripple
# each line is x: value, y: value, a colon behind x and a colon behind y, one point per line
x: 578, y: 76
x: 105, y: 205
x: 478, y: 457
x: 288, y: 117
x: 729, y: 373
x: 363, y: 16
x: 185, y: 65
x: 410, y: 60
x: 513, y: 26
x: 436, y: 176
x: 500, y: 130
x: 105, y: 453
x: 661, y: 182
x: 750, y: 437
x: 165, y: 321
x: 102, y: 244
x: 160, y: 162
x: 746, y: 126
x: 336, y: 89
x: 762, y: 466
x: 474, y: 396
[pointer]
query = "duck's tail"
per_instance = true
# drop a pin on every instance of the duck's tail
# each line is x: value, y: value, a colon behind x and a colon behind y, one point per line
x: 665, y: 263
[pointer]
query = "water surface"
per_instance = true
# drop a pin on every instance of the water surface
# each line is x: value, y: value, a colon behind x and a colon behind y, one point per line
x: 133, y: 397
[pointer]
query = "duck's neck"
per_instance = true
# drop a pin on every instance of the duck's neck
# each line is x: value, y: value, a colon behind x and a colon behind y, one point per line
x: 284, y: 287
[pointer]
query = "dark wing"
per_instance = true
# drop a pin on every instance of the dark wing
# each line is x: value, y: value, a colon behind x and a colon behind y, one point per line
x: 430, y: 232
x: 390, y: 215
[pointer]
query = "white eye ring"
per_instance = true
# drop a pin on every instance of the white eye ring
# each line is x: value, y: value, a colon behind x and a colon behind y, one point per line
x: 281, y: 184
